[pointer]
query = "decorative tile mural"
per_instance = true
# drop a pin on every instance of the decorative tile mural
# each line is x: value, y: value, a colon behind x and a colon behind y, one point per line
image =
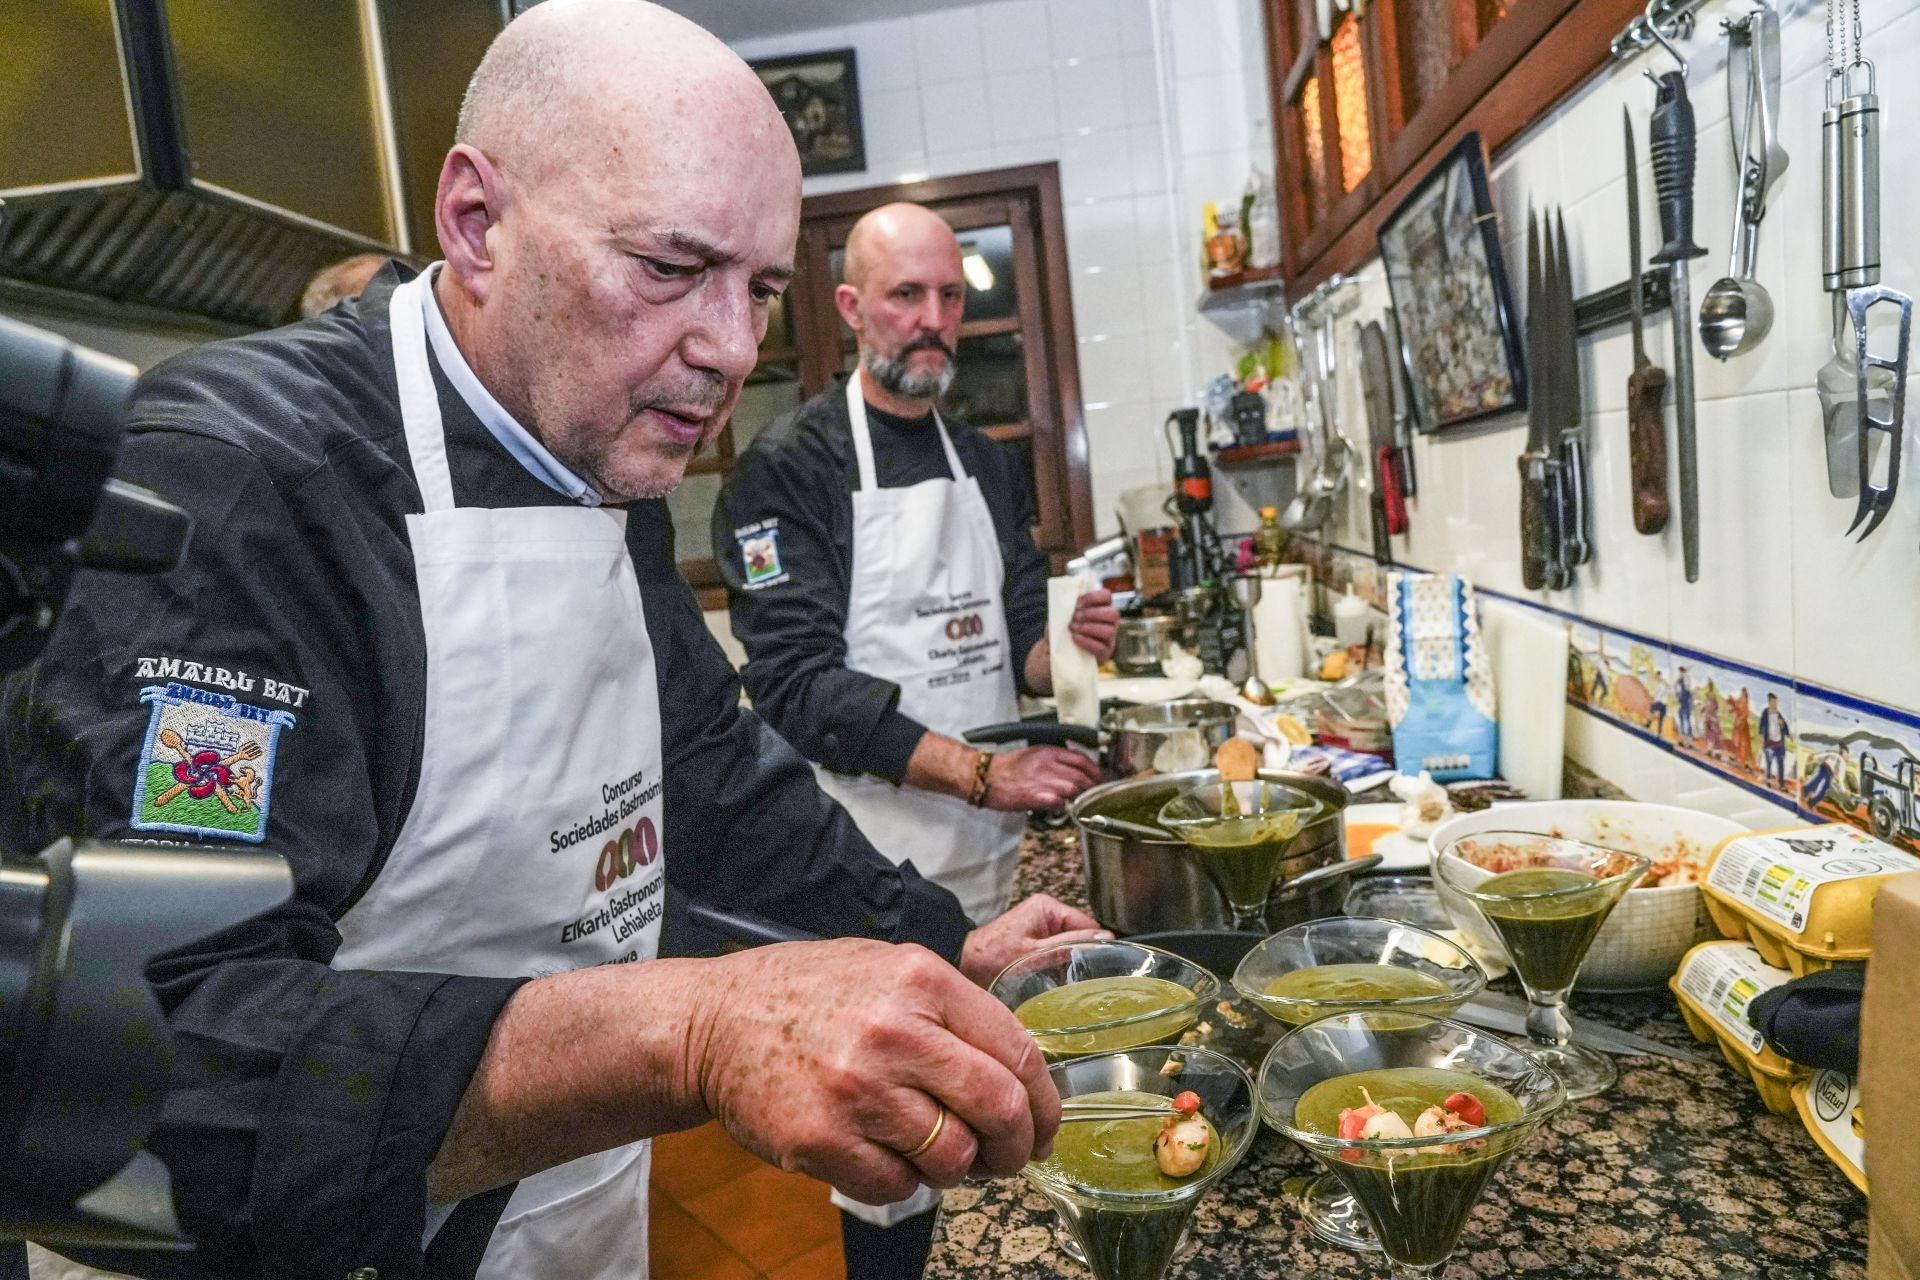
x: 1859, y: 763
x: 1832, y: 756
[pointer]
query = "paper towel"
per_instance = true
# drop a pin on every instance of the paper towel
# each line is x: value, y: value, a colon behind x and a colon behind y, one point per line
x: 1279, y: 629
x: 1076, y: 673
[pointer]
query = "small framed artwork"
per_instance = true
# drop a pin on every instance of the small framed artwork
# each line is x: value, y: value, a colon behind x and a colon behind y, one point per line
x: 819, y: 95
x: 1459, y: 332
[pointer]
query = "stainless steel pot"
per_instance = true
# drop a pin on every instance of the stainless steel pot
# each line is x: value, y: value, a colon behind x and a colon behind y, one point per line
x: 1161, y: 736
x: 1141, y: 644
x: 1137, y: 885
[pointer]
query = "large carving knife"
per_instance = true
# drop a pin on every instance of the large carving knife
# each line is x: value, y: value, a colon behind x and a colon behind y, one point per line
x: 1671, y: 140
x: 1539, y: 494
x: 1647, y: 384
x: 1576, y: 526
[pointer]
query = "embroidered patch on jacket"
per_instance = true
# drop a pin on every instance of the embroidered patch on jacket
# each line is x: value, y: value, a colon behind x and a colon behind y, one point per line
x: 206, y: 768
x: 760, y: 554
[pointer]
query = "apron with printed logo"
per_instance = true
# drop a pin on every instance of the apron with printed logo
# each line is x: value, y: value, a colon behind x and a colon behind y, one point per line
x: 924, y: 612
x: 534, y: 842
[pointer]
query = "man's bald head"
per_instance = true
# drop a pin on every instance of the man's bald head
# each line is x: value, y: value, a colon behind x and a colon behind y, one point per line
x: 618, y: 210
x: 891, y: 231
x: 563, y: 71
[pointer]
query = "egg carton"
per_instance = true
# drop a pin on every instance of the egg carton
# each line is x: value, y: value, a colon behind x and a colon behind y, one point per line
x: 1774, y: 1084
x: 1829, y: 1107
x: 1802, y: 896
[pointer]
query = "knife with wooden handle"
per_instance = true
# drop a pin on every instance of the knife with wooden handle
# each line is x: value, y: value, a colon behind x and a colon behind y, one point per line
x: 1647, y: 384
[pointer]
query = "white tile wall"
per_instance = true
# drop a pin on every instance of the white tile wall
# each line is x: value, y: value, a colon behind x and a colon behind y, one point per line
x: 1781, y: 587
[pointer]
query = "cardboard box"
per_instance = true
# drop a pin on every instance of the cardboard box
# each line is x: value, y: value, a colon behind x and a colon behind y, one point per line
x: 1890, y: 1105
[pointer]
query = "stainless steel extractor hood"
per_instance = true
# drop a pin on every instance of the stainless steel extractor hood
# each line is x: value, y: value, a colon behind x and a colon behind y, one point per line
x: 207, y: 156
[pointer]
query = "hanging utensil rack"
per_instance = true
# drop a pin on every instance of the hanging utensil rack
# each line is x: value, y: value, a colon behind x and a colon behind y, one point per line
x: 1674, y: 17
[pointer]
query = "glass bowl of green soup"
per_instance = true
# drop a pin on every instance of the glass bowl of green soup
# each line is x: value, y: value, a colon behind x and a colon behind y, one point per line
x: 1100, y: 997
x: 1339, y: 965
x: 1413, y: 1115
x: 1105, y: 1179
x: 1355, y: 962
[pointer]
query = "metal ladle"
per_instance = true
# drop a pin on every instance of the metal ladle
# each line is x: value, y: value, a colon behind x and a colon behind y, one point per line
x: 1737, y: 312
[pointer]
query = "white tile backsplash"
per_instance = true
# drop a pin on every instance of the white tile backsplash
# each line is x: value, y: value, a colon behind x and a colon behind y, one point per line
x: 947, y: 45
x: 1091, y: 93
x: 1021, y: 107
x: 1017, y: 35
x: 1086, y: 28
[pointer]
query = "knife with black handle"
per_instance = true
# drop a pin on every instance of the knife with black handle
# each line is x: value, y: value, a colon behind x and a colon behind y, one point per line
x: 1670, y: 137
x: 1576, y: 529
x: 1647, y: 384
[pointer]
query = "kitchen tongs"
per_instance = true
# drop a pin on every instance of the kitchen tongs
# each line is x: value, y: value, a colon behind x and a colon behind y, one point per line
x: 1877, y: 499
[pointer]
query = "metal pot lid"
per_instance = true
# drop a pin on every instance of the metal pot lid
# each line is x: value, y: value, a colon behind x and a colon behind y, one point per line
x: 1171, y: 716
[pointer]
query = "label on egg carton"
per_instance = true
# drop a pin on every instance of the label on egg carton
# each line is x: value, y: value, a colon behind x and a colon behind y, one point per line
x: 1723, y: 979
x: 1777, y: 874
x: 1833, y: 1113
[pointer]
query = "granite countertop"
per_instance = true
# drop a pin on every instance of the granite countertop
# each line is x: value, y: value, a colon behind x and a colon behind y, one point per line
x: 1679, y: 1171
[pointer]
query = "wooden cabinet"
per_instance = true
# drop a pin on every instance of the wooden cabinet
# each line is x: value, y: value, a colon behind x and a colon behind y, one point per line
x: 1365, y: 108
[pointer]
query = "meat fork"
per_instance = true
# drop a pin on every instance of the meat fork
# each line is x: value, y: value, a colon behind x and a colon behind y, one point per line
x: 1877, y: 500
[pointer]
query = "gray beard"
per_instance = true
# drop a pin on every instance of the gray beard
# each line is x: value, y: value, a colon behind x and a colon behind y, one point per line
x: 894, y: 375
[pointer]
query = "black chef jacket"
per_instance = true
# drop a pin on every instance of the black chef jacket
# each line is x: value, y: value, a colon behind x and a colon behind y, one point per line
x: 795, y: 483
x: 306, y: 1103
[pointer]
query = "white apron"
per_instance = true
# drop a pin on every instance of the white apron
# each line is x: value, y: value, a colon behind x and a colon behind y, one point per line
x: 533, y: 844
x: 924, y: 611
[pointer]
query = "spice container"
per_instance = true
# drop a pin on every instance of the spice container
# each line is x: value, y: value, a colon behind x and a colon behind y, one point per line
x: 1829, y: 1106
x: 1714, y: 984
x: 1802, y: 896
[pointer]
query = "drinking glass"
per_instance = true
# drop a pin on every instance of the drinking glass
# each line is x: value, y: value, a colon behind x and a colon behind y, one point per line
x: 1133, y: 1234
x: 1416, y: 1193
x: 1339, y: 952
x: 1545, y: 898
x: 1240, y: 833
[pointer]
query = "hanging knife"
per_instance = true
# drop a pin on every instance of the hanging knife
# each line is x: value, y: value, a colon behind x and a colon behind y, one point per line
x: 1576, y: 531
x: 1647, y: 384
x: 1670, y: 138
x: 1389, y: 517
x: 1539, y: 523
x: 1402, y: 410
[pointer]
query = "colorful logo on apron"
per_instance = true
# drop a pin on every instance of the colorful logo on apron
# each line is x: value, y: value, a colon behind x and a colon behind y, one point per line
x: 760, y: 556
x: 206, y: 767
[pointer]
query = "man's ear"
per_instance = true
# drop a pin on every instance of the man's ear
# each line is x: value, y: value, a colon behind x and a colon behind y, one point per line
x: 846, y: 300
x: 467, y: 205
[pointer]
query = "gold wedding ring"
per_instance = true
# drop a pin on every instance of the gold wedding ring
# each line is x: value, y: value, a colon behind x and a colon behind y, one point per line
x: 939, y: 1123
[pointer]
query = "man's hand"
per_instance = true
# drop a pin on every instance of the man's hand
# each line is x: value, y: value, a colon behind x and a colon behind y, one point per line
x: 1038, y: 778
x: 836, y: 1058
x: 1039, y: 921
x: 1095, y: 624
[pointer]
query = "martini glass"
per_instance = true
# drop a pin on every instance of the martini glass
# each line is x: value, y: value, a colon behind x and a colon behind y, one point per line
x: 1342, y: 964
x: 1545, y: 898
x: 1239, y: 833
x: 1102, y: 1179
x: 1096, y: 997
x: 1416, y: 1193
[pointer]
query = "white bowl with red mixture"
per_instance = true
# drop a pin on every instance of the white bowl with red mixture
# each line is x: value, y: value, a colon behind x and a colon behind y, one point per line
x: 1643, y: 941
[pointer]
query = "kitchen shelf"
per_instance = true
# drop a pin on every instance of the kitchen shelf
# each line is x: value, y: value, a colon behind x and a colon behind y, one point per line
x: 1255, y: 455
x: 1251, y: 285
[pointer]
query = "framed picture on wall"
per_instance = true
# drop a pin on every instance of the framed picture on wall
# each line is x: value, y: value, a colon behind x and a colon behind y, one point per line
x: 819, y: 95
x: 1459, y: 331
